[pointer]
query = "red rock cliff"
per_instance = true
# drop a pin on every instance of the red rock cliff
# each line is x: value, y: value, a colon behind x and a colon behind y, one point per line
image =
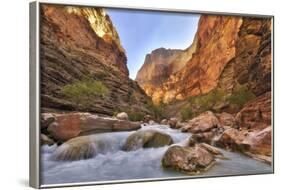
x: 229, y: 51
x: 160, y: 64
x: 78, y: 43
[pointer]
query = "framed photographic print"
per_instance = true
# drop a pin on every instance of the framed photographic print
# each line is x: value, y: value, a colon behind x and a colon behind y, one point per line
x: 131, y: 94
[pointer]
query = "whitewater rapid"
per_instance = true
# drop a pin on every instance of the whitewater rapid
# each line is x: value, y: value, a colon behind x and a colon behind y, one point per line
x: 111, y: 163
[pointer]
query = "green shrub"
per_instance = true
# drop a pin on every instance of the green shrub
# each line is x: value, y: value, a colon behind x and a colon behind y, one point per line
x: 240, y: 96
x: 135, y: 116
x: 199, y: 104
x: 157, y: 110
x: 186, y: 113
x: 84, y: 91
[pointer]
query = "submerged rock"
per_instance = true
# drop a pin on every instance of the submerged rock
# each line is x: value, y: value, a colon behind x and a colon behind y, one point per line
x: 74, y: 149
x: 192, y: 160
x: 147, y: 139
x: 202, y: 123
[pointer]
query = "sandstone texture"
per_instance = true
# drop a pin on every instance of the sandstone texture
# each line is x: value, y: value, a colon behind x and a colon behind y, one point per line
x: 70, y: 125
x: 192, y: 160
x: 78, y: 43
x: 228, y: 52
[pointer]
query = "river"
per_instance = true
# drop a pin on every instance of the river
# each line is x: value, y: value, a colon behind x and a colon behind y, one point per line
x: 111, y: 163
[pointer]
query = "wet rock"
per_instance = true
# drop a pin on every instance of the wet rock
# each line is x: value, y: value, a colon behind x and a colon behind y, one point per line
x: 192, y: 160
x: 231, y: 139
x: 259, y: 142
x: 147, y: 139
x: 205, y: 137
x: 147, y: 118
x: 45, y: 140
x: 173, y: 122
x: 67, y: 126
x: 213, y: 150
x: 164, y: 122
x: 151, y: 122
x: 180, y: 125
x: 74, y: 149
x: 122, y: 116
x: 202, y: 123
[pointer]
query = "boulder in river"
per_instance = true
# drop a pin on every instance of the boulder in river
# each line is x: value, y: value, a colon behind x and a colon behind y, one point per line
x: 122, y: 116
x: 164, y: 122
x: 202, y: 123
x: 173, y: 122
x: 70, y: 125
x: 74, y: 149
x: 147, y: 139
x: 259, y: 142
x: 191, y: 160
x: 231, y: 139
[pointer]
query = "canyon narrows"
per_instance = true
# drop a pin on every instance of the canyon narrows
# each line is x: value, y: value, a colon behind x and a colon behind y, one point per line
x: 201, y: 111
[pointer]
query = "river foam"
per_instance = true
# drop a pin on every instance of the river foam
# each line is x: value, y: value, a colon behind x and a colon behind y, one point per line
x: 111, y: 163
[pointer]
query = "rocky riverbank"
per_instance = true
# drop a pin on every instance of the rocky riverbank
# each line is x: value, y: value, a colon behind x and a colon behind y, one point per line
x: 239, y: 132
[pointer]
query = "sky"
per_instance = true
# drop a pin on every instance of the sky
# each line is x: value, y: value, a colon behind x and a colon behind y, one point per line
x: 141, y: 32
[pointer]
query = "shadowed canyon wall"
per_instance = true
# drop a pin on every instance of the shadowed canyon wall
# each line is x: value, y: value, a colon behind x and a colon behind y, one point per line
x: 78, y: 43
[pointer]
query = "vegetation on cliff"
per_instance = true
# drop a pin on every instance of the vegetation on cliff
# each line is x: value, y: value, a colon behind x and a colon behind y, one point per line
x: 82, y: 92
x: 215, y: 101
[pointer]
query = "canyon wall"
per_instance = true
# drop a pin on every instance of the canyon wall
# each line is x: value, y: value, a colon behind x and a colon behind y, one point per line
x: 78, y: 43
x: 230, y: 51
x: 160, y: 64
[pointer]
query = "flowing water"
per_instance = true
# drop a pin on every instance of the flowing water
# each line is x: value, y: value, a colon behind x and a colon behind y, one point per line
x: 111, y: 163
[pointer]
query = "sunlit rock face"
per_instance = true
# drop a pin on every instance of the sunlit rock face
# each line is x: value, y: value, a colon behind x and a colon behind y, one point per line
x: 79, y: 43
x: 160, y: 64
x: 229, y: 51
x: 100, y: 23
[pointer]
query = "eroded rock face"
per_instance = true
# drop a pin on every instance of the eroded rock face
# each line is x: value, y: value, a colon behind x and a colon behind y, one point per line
x: 216, y: 37
x: 147, y: 139
x: 230, y: 51
x: 160, y: 64
x: 192, y: 160
x: 256, y: 113
x: 78, y: 43
x: 67, y: 126
x: 202, y: 123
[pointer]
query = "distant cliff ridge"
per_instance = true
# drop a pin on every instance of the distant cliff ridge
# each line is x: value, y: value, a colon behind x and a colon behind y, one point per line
x: 227, y: 51
x: 80, y: 43
x: 160, y: 64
